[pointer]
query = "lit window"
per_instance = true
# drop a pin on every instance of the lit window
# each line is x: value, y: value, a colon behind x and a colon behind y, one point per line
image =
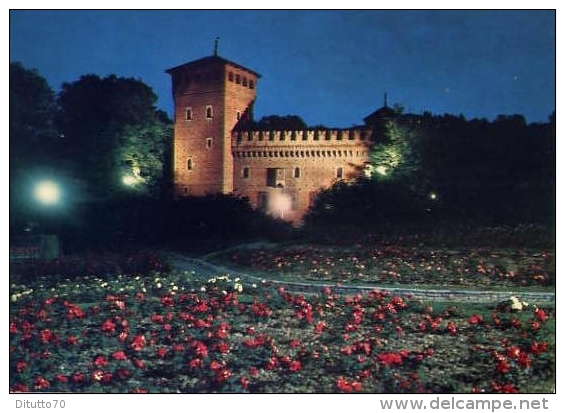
x: 339, y: 173
x: 208, y: 143
x: 209, y: 112
x: 189, y: 164
x: 297, y: 172
x: 245, y: 172
x: 188, y: 114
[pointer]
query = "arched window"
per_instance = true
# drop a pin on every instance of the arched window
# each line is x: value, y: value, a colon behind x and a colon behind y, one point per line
x: 188, y: 114
x: 245, y: 172
x: 209, y: 112
x: 230, y: 76
x: 189, y: 164
x: 339, y: 173
x: 297, y: 172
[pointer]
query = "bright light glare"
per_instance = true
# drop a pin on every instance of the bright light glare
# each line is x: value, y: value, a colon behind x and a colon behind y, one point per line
x: 47, y: 192
x: 129, y: 180
x: 433, y: 196
x: 381, y: 170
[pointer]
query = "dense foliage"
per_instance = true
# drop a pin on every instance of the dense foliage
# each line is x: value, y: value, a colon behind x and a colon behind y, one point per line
x: 429, y: 169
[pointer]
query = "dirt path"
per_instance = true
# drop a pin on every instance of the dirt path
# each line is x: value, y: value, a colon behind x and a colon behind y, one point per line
x: 205, y: 268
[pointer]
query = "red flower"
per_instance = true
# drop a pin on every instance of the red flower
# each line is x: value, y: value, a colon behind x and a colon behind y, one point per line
x: 223, y: 330
x: 272, y: 363
x: 100, y: 361
x: 13, y: 328
x: 107, y: 378
x: 222, y: 347
x: 223, y: 374
x: 475, y: 319
x: 538, y: 348
x: 200, y: 349
x: 540, y: 314
x: 524, y: 360
x: 389, y: 359
x: 157, y: 318
x: 19, y: 388
x: 508, y: 388
x: 502, y: 366
x: 78, y: 377
x: 513, y: 352
x: 161, y: 352
x: 167, y: 301
x: 343, y: 385
x: 138, y: 343
x: 348, y: 387
x: 47, y: 336
x: 451, y: 327
x: 215, y: 365
x: 119, y: 355
x: 320, y: 327
x: 295, y: 366
x: 61, y: 378
x: 72, y: 340
x: 138, y: 363
x: 41, y: 383
x: 244, y: 381
x: 194, y: 363
x: 21, y: 366
x: 108, y: 326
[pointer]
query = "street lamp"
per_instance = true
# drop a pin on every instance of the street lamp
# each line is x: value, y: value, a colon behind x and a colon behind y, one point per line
x: 47, y: 192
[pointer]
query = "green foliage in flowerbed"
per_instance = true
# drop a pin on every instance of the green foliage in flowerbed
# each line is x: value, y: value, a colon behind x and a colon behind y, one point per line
x: 177, y: 332
x: 394, y: 264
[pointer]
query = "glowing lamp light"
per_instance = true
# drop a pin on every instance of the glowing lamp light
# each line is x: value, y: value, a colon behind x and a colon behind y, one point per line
x: 433, y: 196
x: 47, y: 192
x: 381, y: 170
x: 129, y: 180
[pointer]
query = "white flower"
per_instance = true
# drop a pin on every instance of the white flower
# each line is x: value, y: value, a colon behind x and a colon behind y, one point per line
x: 159, y: 285
x: 203, y: 289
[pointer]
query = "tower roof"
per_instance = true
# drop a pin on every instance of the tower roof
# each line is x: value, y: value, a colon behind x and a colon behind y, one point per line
x: 382, y: 113
x: 214, y: 59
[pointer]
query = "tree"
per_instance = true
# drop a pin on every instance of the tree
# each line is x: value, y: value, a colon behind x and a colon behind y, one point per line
x: 114, y: 132
x: 395, y: 156
x: 32, y: 112
x: 274, y: 122
x: 32, y: 135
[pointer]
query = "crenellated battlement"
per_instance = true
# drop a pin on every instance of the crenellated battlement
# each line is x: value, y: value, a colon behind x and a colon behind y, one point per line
x: 309, y: 137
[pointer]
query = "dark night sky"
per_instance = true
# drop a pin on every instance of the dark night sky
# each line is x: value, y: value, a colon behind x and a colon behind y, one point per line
x: 330, y: 67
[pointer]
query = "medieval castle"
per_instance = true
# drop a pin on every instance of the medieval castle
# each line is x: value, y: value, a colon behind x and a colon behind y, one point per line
x: 280, y: 171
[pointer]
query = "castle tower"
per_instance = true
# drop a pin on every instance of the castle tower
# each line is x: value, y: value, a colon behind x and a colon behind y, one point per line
x: 211, y: 95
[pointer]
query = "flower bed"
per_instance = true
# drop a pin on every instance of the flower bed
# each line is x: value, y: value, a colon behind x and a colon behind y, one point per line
x: 393, y: 264
x: 176, y: 332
